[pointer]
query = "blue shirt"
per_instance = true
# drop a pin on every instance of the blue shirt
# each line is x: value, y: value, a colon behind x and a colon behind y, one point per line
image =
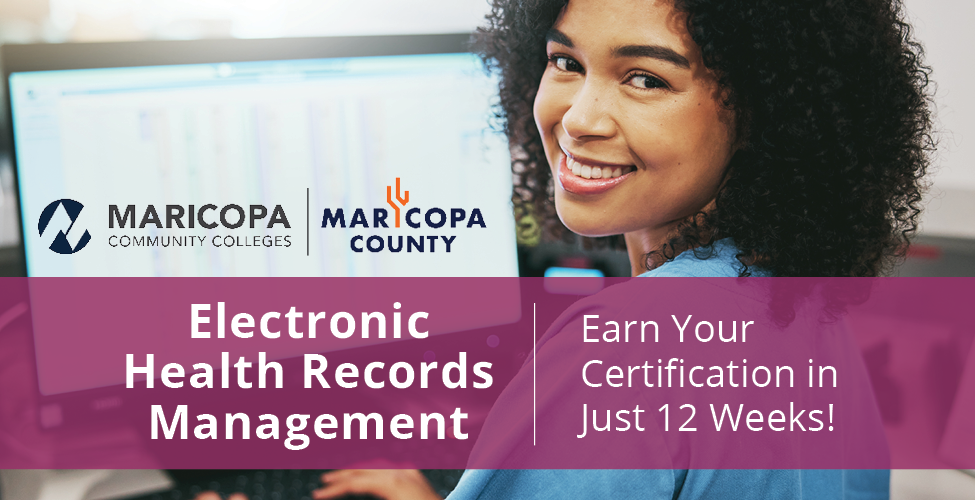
x: 692, y: 484
x: 719, y: 261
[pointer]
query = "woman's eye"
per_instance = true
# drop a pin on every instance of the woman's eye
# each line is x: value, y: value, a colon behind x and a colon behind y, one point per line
x: 647, y: 82
x: 566, y: 64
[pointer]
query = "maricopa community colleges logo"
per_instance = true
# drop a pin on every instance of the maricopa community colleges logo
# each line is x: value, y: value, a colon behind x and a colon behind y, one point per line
x: 61, y: 244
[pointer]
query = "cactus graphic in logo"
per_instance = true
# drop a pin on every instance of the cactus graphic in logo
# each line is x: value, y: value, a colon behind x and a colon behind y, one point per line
x: 404, y: 199
x: 62, y: 244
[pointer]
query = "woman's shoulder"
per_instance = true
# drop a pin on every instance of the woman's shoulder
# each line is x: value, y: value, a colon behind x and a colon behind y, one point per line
x: 717, y: 261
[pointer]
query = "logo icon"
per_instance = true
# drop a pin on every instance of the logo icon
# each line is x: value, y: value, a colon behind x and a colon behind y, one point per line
x: 403, y: 200
x: 61, y: 243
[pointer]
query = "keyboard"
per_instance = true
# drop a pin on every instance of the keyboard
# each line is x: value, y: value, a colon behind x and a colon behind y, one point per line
x: 274, y: 484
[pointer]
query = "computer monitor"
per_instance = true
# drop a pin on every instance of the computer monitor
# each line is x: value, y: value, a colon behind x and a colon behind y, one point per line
x: 284, y: 157
x: 226, y: 132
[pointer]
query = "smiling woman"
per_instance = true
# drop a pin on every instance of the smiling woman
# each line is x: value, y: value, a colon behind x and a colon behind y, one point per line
x: 630, y: 118
x: 714, y: 138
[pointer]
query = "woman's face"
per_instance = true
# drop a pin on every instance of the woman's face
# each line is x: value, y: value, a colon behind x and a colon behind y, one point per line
x: 631, y: 120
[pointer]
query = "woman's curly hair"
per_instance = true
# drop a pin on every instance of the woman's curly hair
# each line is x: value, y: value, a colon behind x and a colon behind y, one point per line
x: 832, y: 106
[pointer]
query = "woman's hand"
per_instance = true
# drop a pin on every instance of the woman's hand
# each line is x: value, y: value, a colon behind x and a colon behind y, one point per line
x: 390, y: 484
x: 209, y: 495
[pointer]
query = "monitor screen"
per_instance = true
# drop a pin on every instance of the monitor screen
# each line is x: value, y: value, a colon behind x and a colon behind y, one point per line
x: 355, y: 166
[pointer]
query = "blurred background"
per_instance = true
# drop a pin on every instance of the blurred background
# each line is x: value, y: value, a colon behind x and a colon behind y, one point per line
x: 945, y: 246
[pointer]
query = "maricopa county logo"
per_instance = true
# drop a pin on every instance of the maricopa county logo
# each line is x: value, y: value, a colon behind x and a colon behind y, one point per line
x: 415, y: 217
x: 61, y: 243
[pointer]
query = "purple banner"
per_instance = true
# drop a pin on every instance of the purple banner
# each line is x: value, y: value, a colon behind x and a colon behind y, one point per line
x: 487, y: 373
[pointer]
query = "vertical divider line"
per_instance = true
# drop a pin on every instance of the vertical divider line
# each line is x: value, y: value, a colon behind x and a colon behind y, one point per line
x: 307, y: 222
x: 534, y: 377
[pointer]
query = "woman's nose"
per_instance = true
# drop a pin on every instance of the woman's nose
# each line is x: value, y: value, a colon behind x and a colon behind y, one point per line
x: 590, y: 114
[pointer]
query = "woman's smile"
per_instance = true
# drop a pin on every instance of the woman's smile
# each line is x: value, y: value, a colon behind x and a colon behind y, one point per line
x: 585, y: 176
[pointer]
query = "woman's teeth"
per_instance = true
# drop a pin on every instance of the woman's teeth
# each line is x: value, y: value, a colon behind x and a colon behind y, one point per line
x: 590, y: 172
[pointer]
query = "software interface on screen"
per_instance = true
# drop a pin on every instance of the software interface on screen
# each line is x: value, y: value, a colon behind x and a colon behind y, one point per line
x: 305, y: 135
